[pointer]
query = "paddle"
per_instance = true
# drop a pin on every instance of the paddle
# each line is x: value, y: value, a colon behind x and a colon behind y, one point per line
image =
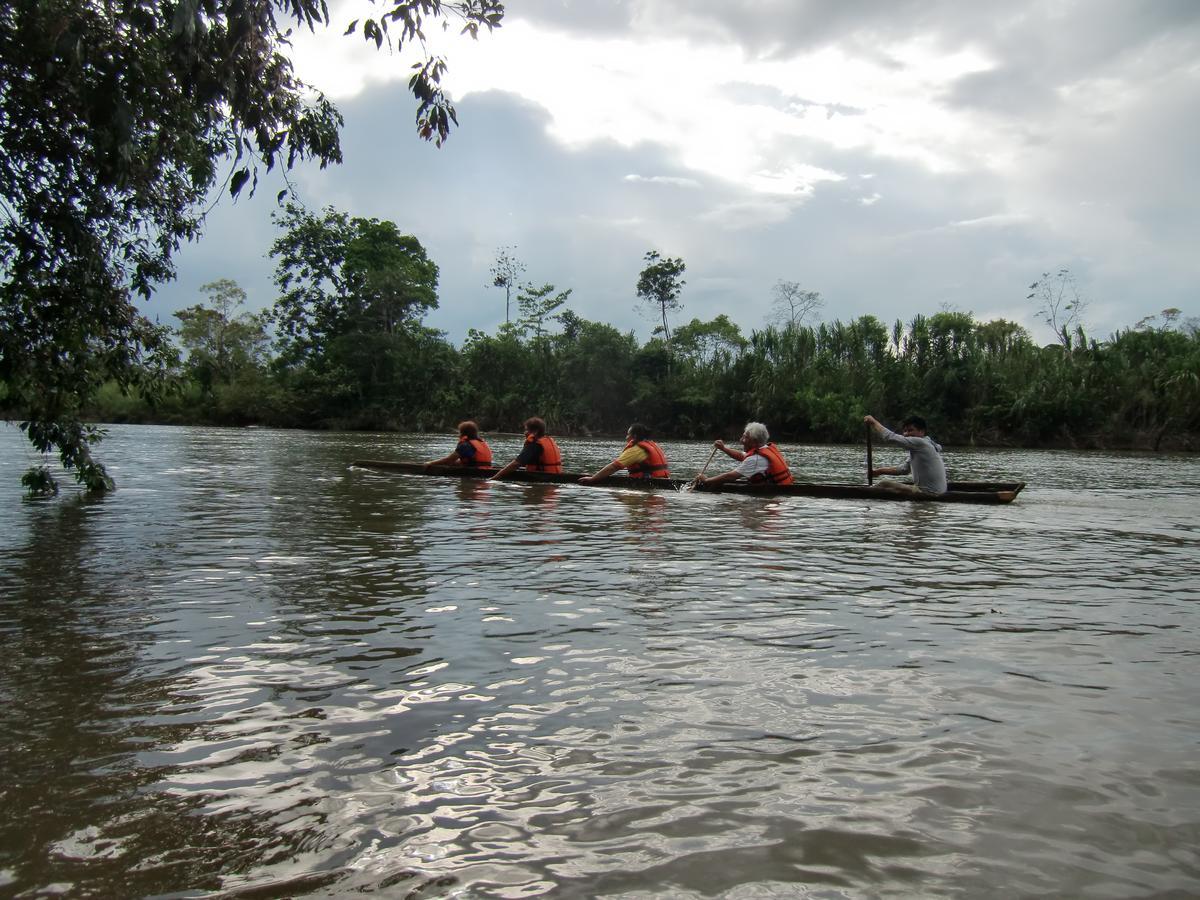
x: 870, y: 465
x: 692, y: 483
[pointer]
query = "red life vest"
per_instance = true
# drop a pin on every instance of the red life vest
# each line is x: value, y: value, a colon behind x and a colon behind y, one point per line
x: 777, y: 467
x: 483, y: 454
x: 653, y: 466
x: 551, y: 458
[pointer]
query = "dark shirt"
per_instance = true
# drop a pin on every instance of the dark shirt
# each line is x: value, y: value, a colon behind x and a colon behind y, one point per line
x: 466, y: 452
x: 531, y: 454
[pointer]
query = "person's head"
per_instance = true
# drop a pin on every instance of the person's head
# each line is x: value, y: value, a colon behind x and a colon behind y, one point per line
x: 755, y: 435
x: 638, y: 432
x: 468, y: 430
x: 535, y: 426
x: 913, y: 426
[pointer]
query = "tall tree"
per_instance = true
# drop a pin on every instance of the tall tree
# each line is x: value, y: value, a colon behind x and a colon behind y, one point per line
x: 539, y: 304
x: 1059, y: 303
x: 506, y: 272
x: 340, y: 275
x: 352, y: 295
x: 116, y: 120
x: 705, y: 343
x: 660, y: 284
x: 792, y: 305
x: 221, y: 342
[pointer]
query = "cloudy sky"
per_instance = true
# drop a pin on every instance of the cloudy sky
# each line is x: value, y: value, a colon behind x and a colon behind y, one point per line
x: 897, y: 156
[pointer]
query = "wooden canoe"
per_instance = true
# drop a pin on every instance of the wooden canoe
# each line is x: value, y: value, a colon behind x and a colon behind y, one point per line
x: 959, y: 491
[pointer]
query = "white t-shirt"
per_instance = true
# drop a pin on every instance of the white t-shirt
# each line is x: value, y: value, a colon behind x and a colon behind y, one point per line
x: 752, y: 465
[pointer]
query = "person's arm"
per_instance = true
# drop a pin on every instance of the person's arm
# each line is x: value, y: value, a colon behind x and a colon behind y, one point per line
x: 463, y: 454
x: 510, y: 467
x: 529, y: 455
x: 630, y: 456
x: 751, y: 465
x: 731, y: 475
x: 614, y: 466
x: 731, y: 451
x: 908, y: 443
x: 886, y: 433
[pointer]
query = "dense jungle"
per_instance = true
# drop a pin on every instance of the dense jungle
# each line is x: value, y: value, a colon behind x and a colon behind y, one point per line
x: 344, y: 347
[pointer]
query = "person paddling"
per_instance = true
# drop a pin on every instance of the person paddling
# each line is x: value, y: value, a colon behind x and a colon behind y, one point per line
x: 641, y: 456
x: 760, y: 460
x: 924, y: 463
x: 472, y: 450
x: 540, y: 453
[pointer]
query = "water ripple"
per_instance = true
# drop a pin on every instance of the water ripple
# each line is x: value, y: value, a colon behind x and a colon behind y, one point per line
x: 255, y: 672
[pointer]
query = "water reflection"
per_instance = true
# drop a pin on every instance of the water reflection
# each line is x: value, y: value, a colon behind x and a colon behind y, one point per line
x: 86, y: 812
x: 253, y: 669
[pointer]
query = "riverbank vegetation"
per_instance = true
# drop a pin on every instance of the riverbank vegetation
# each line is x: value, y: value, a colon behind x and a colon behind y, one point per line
x: 350, y: 352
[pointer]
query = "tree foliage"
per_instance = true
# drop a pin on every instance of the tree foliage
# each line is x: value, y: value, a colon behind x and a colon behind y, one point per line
x: 352, y: 295
x: 116, y: 121
x: 221, y: 343
x: 660, y: 283
x: 1059, y: 303
x: 538, y: 305
x: 976, y: 382
x: 506, y: 272
x: 792, y: 305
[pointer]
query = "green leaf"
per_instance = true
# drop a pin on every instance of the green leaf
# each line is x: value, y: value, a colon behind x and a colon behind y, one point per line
x: 240, y: 177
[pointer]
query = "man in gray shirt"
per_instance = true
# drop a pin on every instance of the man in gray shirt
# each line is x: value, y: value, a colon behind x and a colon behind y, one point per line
x: 924, y: 457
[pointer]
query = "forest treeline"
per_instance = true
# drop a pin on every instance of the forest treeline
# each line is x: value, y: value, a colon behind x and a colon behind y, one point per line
x: 344, y: 347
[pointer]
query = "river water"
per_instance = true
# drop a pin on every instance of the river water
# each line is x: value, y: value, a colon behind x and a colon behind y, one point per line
x: 254, y: 671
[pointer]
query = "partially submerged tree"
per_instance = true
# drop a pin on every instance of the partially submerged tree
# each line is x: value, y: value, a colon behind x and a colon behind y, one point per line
x: 660, y: 284
x: 116, y: 121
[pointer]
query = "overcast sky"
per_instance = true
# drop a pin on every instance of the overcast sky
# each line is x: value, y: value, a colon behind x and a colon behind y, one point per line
x: 897, y: 156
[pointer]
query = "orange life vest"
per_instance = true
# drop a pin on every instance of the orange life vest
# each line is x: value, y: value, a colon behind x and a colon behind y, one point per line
x: 777, y: 467
x: 483, y: 453
x: 551, y: 458
x: 653, y: 466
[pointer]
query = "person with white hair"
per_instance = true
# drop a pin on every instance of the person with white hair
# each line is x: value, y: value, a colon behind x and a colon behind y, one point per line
x: 760, y: 461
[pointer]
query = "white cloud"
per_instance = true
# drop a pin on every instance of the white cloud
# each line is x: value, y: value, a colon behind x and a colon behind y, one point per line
x: 645, y: 88
x: 663, y: 179
x: 755, y: 212
x: 998, y: 220
x: 892, y: 155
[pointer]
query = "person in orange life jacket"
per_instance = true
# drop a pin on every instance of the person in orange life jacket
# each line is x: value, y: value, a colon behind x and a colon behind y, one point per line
x: 761, y: 461
x: 641, y: 456
x: 472, y: 450
x: 540, y: 453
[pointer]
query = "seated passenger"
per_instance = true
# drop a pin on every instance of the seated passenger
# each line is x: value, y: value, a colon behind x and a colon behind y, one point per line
x: 540, y: 453
x: 641, y: 456
x: 760, y: 463
x: 472, y: 450
x: 924, y: 462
